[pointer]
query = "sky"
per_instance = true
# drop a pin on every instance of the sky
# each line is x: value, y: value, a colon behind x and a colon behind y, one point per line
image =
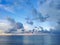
x: 29, y: 14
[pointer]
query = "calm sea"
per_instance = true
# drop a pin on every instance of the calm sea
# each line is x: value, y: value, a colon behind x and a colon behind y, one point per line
x: 30, y: 40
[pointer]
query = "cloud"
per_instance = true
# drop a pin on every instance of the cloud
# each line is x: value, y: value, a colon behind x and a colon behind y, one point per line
x: 19, y: 25
x: 55, y: 4
x: 59, y: 22
x: 10, y: 20
x: 38, y: 16
x: 51, y: 11
x: 28, y: 27
x: 10, y: 26
x: 58, y: 26
x: 29, y: 21
x: 5, y: 25
x: 52, y: 8
x: 42, y: 1
x: 41, y: 28
x: 38, y: 28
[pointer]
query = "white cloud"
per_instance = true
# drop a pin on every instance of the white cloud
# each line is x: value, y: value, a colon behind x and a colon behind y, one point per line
x: 52, y: 8
x: 9, y: 25
x: 5, y: 25
x: 52, y: 12
x: 27, y: 27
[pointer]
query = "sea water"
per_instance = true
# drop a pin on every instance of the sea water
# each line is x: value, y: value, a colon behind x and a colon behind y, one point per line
x: 30, y: 40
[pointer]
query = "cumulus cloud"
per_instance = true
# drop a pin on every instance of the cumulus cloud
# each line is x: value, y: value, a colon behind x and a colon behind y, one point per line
x: 10, y: 26
x: 48, y: 10
x: 5, y: 25
x: 19, y: 25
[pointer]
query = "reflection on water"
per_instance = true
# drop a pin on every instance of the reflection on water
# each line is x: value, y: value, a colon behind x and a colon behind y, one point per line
x: 30, y: 40
x: 11, y: 40
x: 42, y: 40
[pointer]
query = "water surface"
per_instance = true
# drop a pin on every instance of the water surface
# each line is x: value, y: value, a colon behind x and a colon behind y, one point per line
x: 30, y: 40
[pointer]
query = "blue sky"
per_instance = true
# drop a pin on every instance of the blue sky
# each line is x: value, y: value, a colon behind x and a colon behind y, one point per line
x: 31, y: 13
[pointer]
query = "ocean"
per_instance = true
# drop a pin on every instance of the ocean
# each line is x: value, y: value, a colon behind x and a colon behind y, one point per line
x: 30, y: 40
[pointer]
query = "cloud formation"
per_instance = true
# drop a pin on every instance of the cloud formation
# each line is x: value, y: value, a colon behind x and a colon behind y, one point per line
x: 38, y: 16
x: 42, y: 1
x: 45, y: 11
x: 52, y: 8
x: 55, y: 4
x: 29, y: 21
x: 19, y: 25
x: 10, y: 26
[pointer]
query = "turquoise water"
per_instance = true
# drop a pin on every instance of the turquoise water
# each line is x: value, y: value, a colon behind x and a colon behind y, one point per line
x: 30, y: 40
